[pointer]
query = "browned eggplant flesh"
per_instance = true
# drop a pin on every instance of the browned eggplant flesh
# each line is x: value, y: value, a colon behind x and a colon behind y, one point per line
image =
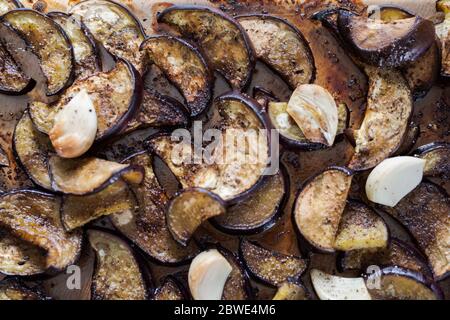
x: 15, y: 289
x: 437, y: 159
x: 237, y: 286
x: 291, y: 290
x: 117, y: 274
x: 170, y: 289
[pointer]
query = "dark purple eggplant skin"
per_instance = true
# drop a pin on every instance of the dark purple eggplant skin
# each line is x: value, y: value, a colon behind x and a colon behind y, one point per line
x: 430, y: 147
x: 28, y: 45
x: 30, y: 86
x: 18, y: 283
x: 204, y: 100
x: 300, y: 35
x: 220, y: 13
x: 304, y: 245
x: 184, y: 291
x: 415, y: 276
x: 279, y: 211
x: 394, y: 55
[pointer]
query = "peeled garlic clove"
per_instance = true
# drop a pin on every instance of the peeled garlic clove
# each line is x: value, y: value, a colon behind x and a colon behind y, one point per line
x: 393, y: 179
x: 75, y: 127
x: 207, y: 275
x: 314, y: 110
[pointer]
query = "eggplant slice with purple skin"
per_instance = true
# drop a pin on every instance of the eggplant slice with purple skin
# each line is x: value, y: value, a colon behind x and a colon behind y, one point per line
x: 388, y: 112
x: 424, y: 212
x: 116, y: 95
x: 260, y: 211
x: 397, y: 253
x: 117, y: 275
x: 437, y: 159
x: 13, y: 80
x: 31, y: 148
x: 15, y: 289
x: 270, y: 267
x: 87, y: 60
x: 33, y: 217
x: 170, y: 289
x: 115, y: 27
x: 223, y: 41
x: 188, y: 209
x: 291, y: 290
x: 184, y: 66
x: 386, y: 44
x: 237, y: 119
x: 281, y: 46
x: 85, y: 176
x: 20, y: 258
x: 146, y: 226
x: 76, y: 211
x: 402, y: 284
x: 46, y: 40
x: 319, y: 206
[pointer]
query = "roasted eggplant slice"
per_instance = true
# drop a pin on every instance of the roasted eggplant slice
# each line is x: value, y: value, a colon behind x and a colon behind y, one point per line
x: 224, y: 173
x: 32, y: 148
x: 409, y: 140
x: 386, y: 44
x: 319, y: 207
x: 8, y: 5
x: 89, y: 175
x: 281, y: 46
x: 45, y: 39
x: 222, y: 39
x: 14, y: 289
x: 33, y: 216
x: 260, y: 211
x: 185, y: 67
x: 437, y: 159
x: 76, y: 211
x: 170, y: 289
x: 117, y: 274
x: 85, y: 50
x: 398, y: 253
x: 389, y: 107
x: 20, y: 258
x: 268, y: 266
x: 115, y: 27
x: 13, y: 80
x: 360, y: 228
x: 443, y: 33
x: 425, y: 213
x: 116, y: 96
x: 147, y: 226
x: 291, y: 290
x: 403, y: 284
x: 189, y: 209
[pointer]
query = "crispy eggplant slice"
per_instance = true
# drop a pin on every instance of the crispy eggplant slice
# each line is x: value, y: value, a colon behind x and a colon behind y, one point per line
x: 360, y: 228
x: 85, y: 50
x: 224, y: 172
x: 170, y: 289
x: 158, y: 111
x: 403, y: 284
x: 32, y: 148
x: 291, y: 290
x: 331, y: 287
x: 147, y: 226
x: 117, y: 274
x: 397, y: 253
x: 14, y: 289
x: 89, y: 175
x: 437, y: 159
x: 319, y: 207
x: 269, y: 266
x: 45, y: 39
x: 281, y: 46
x: 76, y: 211
x: 13, y: 81
x: 7, y: 5
x: 389, y: 108
x: 425, y: 213
x: 222, y: 39
x: 260, y: 211
x: 116, y: 96
x: 189, y: 209
x: 386, y: 44
x: 115, y: 27
x: 33, y: 216
x: 20, y: 258
x: 185, y: 67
